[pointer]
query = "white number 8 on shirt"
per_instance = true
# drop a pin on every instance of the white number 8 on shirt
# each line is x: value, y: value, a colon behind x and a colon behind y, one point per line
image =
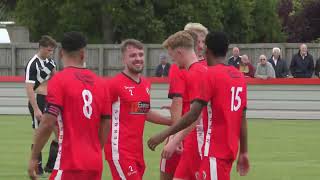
x: 87, y: 100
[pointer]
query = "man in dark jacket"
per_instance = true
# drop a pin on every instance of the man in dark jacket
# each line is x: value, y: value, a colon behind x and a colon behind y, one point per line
x: 317, y: 69
x: 235, y: 59
x: 302, y: 65
x: 163, y: 68
x: 279, y: 65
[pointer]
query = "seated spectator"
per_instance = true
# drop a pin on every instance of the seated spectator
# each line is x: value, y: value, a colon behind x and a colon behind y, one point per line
x: 279, y: 65
x: 302, y: 65
x: 264, y: 69
x: 246, y: 67
x: 317, y: 69
x: 163, y: 68
x: 235, y: 59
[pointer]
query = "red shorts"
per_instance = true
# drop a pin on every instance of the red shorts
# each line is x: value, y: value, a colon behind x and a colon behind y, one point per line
x: 127, y: 169
x: 169, y: 166
x: 212, y: 168
x: 75, y: 175
x: 188, y: 166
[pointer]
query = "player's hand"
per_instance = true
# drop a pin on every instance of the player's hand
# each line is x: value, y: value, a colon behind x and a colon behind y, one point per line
x: 38, y: 114
x: 155, y: 140
x: 169, y: 149
x: 166, y: 107
x: 243, y: 165
x: 33, y: 164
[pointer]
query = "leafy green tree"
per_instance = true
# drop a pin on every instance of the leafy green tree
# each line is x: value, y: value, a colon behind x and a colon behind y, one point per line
x: 135, y: 19
x: 237, y: 21
x: 84, y: 16
x: 177, y: 13
x: 267, y: 26
x: 39, y: 16
x: 151, y: 21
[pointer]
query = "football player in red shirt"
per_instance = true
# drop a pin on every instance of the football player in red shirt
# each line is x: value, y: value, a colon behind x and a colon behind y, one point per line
x: 169, y: 164
x: 79, y: 103
x: 180, y: 104
x: 227, y: 93
x: 181, y: 48
x: 130, y: 97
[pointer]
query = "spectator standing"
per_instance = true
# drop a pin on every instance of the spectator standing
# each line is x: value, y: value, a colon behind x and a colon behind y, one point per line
x: 163, y: 68
x: 302, y: 65
x: 264, y: 69
x: 235, y: 59
x: 279, y: 65
x: 246, y: 67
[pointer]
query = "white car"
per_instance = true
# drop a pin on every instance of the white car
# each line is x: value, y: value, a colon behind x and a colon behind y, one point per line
x: 4, y: 36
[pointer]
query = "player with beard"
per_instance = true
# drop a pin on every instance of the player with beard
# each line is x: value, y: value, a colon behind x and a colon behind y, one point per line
x: 130, y: 98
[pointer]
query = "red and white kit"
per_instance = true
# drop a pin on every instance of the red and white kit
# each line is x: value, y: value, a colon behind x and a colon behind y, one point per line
x: 79, y: 99
x: 124, y: 146
x: 228, y: 96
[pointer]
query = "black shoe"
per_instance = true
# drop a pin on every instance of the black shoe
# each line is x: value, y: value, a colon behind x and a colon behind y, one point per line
x: 40, y: 170
x: 48, y: 170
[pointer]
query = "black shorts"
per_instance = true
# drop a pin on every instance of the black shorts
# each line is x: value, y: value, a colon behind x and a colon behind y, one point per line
x: 41, y: 101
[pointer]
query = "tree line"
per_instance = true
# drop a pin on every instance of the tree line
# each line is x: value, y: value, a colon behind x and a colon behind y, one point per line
x: 151, y: 21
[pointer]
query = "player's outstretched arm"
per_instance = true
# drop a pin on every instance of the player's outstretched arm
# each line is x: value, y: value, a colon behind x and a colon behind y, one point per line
x: 41, y: 138
x: 185, y: 121
x: 156, y: 118
x: 243, y: 165
x: 104, y: 130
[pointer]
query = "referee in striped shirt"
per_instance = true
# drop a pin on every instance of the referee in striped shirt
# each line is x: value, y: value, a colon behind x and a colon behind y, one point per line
x: 38, y: 71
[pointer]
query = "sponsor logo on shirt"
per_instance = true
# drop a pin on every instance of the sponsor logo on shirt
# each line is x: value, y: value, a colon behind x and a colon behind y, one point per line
x: 139, y: 107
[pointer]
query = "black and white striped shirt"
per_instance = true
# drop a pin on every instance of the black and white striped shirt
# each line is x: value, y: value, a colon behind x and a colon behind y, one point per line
x: 39, y: 70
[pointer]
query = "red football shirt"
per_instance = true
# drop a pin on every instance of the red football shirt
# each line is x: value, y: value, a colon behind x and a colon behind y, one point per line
x: 79, y: 98
x: 228, y: 96
x: 178, y: 86
x: 197, y: 89
x: 130, y: 104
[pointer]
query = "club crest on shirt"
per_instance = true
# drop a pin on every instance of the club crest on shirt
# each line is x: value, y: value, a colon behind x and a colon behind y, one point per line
x: 148, y: 90
x: 130, y: 89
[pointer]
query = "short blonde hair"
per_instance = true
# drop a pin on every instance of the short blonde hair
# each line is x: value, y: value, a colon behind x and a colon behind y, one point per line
x: 179, y: 39
x: 196, y: 27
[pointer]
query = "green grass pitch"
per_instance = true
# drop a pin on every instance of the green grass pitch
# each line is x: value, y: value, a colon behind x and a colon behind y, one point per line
x: 279, y: 150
